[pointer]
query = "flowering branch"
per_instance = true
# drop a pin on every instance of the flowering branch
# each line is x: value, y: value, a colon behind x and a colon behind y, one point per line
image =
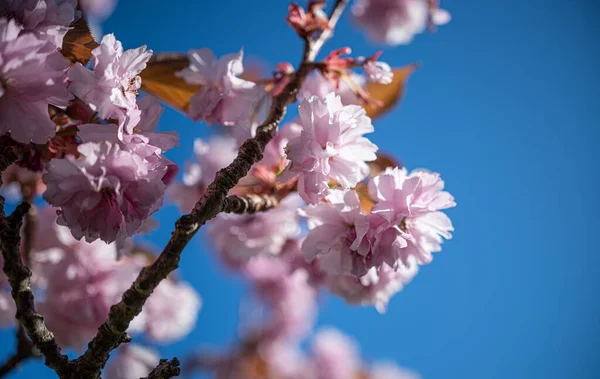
x: 19, y: 277
x: 165, y: 370
x: 212, y: 202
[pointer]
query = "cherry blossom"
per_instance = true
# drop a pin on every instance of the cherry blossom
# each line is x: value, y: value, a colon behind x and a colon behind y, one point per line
x: 378, y: 72
x: 132, y: 362
x: 396, y: 22
x: 110, y: 88
x: 411, y: 202
x: 32, y: 76
x: 330, y: 147
x: 376, y: 287
x: 340, y: 235
x: 224, y: 97
x: 317, y: 85
x: 48, y: 19
x: 106, y: 193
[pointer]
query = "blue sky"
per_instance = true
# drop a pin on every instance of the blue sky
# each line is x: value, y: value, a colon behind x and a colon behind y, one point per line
x: 505, y: 107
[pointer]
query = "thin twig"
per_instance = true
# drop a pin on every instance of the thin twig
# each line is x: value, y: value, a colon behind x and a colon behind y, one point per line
x: 25, y: 350
x: 165, y: 370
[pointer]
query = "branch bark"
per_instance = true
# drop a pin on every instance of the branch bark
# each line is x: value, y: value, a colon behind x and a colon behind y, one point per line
x: 19, y: 277
x: 249, y: 203
x: 165, y: 370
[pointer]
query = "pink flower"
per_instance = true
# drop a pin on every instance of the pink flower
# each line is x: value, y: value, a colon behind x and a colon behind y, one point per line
x: 106, y: 193
x: 171, y: 312
x: 224, y: 97
x: 132, y: 362
x: 211, y: 156
x: 411, y: 202
x: 32, y: 75
x: 48, y: 19
x: 331, y: 146
x: 376, y: 287
x: 340, y: 236
x: 335, y: 355
x: 291, y: 299
x: 82, y: 284
x: 395, y: 22
x: 110, y: 88
x: 237, y: 238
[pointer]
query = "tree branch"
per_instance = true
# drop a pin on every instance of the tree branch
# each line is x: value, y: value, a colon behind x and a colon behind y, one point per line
x: 10, y: 152
x: 249, y: 203
x: 88, y: 365
x: 165, y: 370
x: 19, y: 277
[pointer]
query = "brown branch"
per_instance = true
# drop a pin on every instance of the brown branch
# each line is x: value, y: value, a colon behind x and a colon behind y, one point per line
x: 88, y: 365
x: 10, y: 152
x: 25, y: 350
x: 165, y: 370
x: 249, y: 203
x: 19, y: 277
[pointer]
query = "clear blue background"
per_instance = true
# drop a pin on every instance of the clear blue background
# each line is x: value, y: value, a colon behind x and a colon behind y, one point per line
x: 505, y: 106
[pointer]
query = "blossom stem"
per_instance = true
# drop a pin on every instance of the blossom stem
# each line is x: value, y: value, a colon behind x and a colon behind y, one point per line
x: 108, y: 337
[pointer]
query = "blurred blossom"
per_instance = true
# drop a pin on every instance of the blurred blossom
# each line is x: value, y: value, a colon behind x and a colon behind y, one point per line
x: 396, y: 22
x: 237, y: 238
x: 8, y: 309
x: 335, y: 355
x: 132, y: 362
x: 211, y: 156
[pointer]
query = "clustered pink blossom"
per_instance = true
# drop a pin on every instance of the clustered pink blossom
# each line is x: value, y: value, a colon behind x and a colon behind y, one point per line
x: 370, y: 257
x: 32, y: 76
x: 49, y: 20
x: 225, y: 97
x: 412, y: 203
x: 110, y: 87
x: 106, y: 193
x: 331, y: 146
x: 396, y: 22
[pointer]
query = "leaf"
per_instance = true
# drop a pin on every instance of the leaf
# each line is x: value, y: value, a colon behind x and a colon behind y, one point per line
x: 366, y: 203
x: 158, y: 79
x: 79, y: 43
x: 382, y: 162
x: 388, y: 94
